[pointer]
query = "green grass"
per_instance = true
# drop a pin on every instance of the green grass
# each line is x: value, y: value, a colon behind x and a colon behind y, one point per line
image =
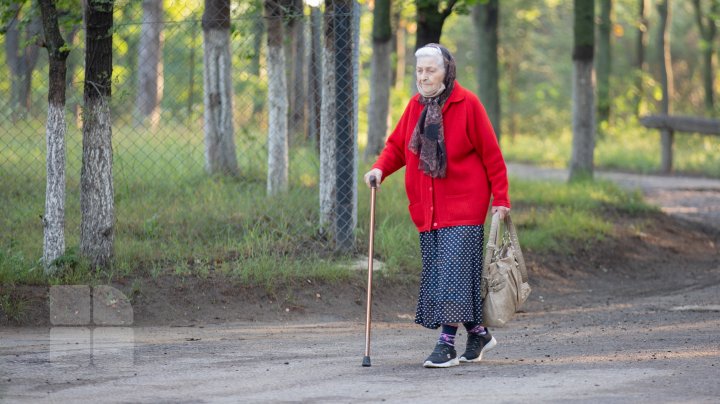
x: 12, y: 309
x: 172, y: 219
x: 625, y: 146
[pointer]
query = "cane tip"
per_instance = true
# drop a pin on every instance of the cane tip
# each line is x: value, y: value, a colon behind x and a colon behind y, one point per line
x: 366, y: 361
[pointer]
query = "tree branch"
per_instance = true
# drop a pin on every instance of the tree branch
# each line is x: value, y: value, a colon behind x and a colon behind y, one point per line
x: 448, y: 10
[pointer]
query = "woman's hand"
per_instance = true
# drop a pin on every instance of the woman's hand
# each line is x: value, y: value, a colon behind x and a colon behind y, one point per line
x: 502, y: 210
x: 375, y: 172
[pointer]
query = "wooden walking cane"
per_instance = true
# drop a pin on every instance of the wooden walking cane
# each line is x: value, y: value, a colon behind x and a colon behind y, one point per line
x: 373, y: 189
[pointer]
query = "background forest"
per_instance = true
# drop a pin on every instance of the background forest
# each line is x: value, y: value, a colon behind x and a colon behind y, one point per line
x: 176, y: 212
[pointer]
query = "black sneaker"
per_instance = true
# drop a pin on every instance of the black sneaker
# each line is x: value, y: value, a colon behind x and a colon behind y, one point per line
x: 443, y: 356
x: 476, y: 345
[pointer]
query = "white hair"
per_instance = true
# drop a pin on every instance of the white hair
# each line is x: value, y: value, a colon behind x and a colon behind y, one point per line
x: 433, y: 52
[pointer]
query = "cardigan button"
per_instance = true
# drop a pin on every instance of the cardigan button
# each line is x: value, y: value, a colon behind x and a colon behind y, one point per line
x: 435, y: 224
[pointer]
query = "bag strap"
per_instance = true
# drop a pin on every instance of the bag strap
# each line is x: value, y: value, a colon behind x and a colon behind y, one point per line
x: 495, y: 239
x: 492, y: 243
x: 516, y: 246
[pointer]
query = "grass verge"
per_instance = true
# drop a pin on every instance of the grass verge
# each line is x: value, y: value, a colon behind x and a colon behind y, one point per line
x: 172, y: 219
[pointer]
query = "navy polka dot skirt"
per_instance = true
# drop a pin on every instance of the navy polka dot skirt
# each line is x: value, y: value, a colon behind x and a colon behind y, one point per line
x: 452, y: 259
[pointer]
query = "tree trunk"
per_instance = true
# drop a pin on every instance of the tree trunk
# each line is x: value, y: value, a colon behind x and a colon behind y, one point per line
x: 75, y: 106
x: 512, y: 98
x: 430, y: 20
x: 708, y: 31
x: 603, y: 62
x: 20, y: 63
x: 486, y: 17
x: 258, y: 31
x: 327, y: 123
x: 31, y: 53
x: 315, y: 77
x: 666, y: 81
x: 380, y: 80
x: 150, y: 64
x: 277, y: 177
x: 344, y: 125
x: 96, y: 182
x: 296, y: 30
x: 218, y: 116
x: 583, y: 110
x: 400, y: 53
x: 191, y: 73
x: 640, y: 50
x: 54, y: 217
x: 13, y: 59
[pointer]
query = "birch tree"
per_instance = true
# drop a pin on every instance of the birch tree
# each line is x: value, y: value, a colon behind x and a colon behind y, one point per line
x: 220, y: 155
x: 327, y: 122
x: 583, y: 104
x: 97, y: 203
x: 380, y: 79
x: 55, y: 129
x: 277, y: 177
x: 150, y: 64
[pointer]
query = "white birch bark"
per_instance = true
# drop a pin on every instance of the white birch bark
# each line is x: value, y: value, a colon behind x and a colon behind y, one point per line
x: 54, y: 217
x: 96, y: 182
x: 277, y: 177
x: 327, y: 141
x: 583, y: 119
x: 218, y: 117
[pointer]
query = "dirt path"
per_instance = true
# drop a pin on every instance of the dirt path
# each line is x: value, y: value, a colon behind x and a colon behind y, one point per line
x: 649, y: 349
x: 691, y: 198
x: 613, y: 332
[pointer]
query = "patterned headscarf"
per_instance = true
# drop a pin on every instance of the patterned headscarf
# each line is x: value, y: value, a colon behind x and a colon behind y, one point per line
x: 428, y: 138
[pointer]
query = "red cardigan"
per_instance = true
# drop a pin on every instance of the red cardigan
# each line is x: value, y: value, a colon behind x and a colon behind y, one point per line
x: 475, y: 165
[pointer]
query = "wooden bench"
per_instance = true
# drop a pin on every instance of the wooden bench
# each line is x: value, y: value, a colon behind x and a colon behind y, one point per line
x: 669, y: 124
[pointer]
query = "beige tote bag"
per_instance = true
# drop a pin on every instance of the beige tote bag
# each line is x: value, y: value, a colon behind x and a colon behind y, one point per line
x: 504, y: 280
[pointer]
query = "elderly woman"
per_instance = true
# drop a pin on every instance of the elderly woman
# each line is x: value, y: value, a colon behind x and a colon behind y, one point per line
x: 454, y: 164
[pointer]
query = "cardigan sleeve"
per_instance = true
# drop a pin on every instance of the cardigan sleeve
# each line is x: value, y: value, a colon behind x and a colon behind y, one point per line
x: 392, y: 158
x: 486, y: 145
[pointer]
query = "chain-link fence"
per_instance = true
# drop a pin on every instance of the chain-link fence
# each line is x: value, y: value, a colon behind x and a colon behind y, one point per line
x: 190, y: 89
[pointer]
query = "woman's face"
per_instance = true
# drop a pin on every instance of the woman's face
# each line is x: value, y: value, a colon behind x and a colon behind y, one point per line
x: 430, y: 73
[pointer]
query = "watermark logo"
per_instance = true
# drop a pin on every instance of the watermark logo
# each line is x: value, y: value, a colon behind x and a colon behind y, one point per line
x: 91, y: 326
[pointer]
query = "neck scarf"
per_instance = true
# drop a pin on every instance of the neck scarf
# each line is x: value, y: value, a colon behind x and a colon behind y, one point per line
x: 428, y: 138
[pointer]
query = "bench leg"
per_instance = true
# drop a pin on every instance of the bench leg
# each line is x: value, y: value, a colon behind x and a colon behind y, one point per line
x: 666, y: 142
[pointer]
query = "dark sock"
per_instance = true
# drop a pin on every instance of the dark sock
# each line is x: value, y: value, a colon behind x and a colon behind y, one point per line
x: 447, y: 335
x: 475, y: 328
